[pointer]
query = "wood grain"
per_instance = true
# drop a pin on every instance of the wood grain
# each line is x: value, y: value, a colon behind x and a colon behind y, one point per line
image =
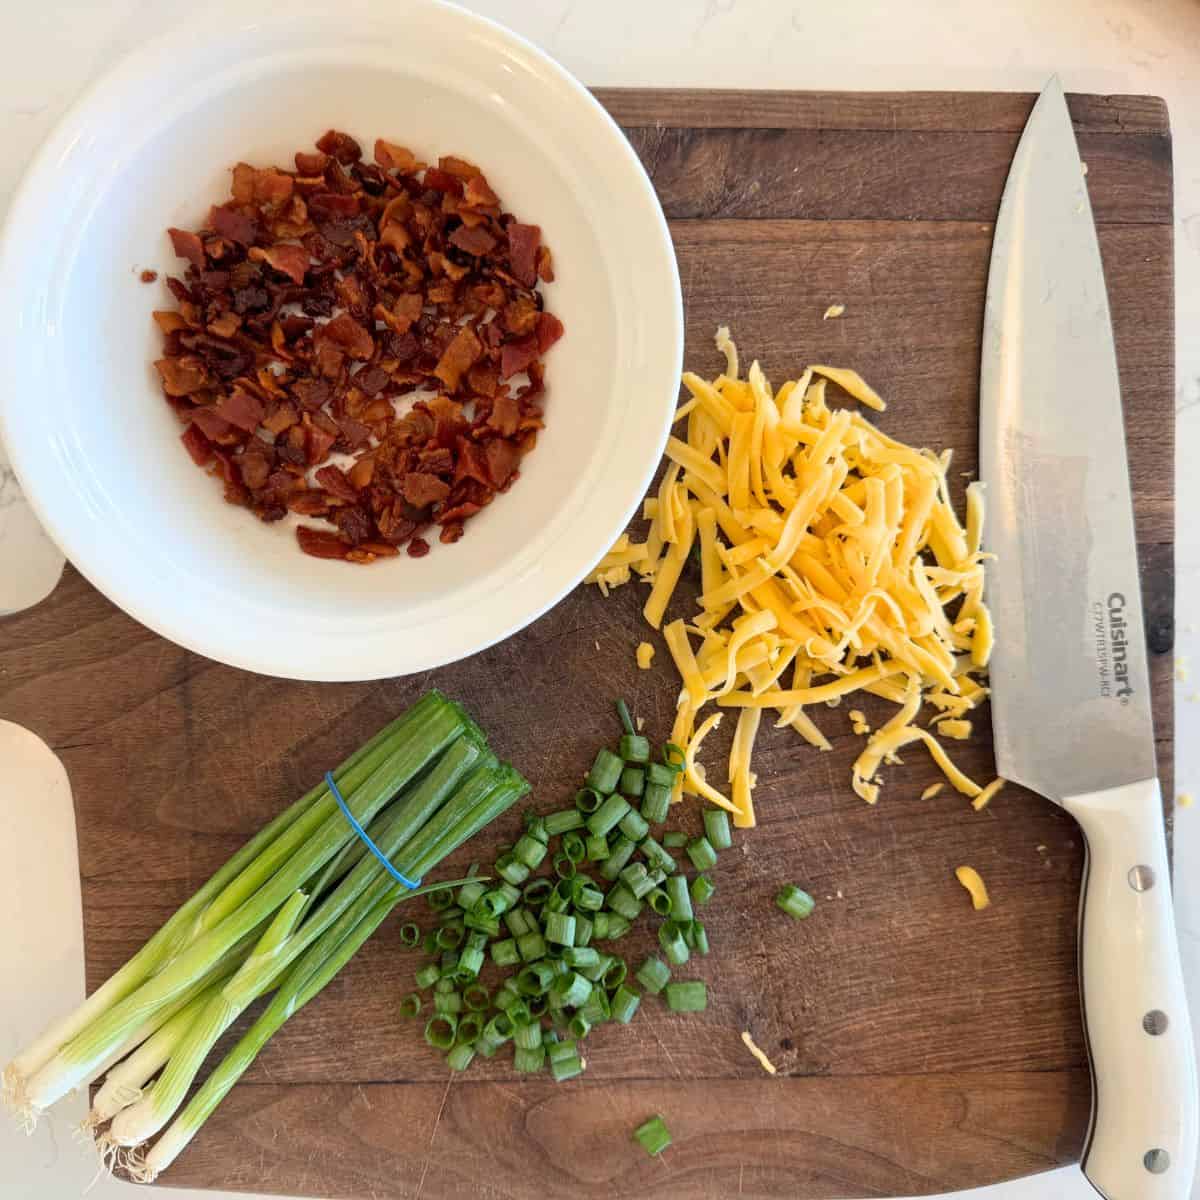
x: 922, y: 1047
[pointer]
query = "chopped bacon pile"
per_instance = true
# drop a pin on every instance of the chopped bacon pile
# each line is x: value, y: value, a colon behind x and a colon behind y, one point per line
x: 315, y: 299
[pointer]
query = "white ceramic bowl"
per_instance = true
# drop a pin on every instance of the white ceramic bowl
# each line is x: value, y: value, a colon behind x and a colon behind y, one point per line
x: 97, y: 450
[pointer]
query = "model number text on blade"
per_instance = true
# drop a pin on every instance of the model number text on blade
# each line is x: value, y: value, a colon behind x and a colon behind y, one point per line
x: 1112, y: 646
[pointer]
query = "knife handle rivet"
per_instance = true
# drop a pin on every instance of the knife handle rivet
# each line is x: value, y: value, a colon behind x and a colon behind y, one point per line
x: 1156, y: 1161
x: 1141, y: 878
x: 1155, y: 1022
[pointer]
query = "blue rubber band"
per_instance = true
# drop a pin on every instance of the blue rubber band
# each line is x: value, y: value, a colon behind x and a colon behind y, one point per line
x: 366, y: 838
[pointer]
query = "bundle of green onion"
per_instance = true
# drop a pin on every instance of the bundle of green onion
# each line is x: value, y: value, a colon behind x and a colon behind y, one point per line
x: 284, y: 914
x: 553, y: 933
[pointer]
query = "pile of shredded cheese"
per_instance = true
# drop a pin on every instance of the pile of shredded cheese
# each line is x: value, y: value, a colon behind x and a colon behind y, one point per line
x: 826, y: 548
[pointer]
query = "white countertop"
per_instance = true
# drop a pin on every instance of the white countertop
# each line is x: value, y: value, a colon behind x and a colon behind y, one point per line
x: 1150, y: 46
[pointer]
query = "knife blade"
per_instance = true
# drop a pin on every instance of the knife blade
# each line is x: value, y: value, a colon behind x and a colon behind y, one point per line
x: 1070, y: 687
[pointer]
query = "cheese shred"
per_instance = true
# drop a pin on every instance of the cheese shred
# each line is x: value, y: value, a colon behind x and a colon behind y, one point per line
x: 826, y: 546
x: 971, y: 880
x: 763, y: 1061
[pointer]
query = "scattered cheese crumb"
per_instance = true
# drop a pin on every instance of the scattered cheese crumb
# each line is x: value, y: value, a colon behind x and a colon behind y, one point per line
x: 763, y: 1061
x: 858, y: 722
x: 1185, y: 800
x: 839, y: 894
x: 981, y: 801
x: 1181, y: 669
x: 645, y: 655
x: 597, y: 645
x: 956, y: 729
x: 834, y: 310
x: 932, y: 790
x: 969, y: 878
x: 641, y: 724
x: 1042, y: 849
x: 1084, y: 165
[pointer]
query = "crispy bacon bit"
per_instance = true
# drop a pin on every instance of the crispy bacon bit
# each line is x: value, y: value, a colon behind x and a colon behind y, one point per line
x: 333, y: 480
x: 523, y: 242
x: 198, y: 446
x: 516, y: 356
x: 319, y: 543
x: 188, y: 245
x: 314, y: 300
x: 285, y: 258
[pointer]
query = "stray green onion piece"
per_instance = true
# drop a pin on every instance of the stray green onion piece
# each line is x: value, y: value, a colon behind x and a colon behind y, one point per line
x: 688, y: 996
x: 716, y: 828
x: 795, y: 902
x: 700, y: 851
x: 653, y: 1136
x: 653, y: 974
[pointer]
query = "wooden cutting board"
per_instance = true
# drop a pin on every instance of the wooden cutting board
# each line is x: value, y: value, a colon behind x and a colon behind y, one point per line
x: 921, y: 1046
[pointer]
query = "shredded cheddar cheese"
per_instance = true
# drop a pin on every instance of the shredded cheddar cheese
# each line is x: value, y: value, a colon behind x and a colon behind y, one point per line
x: 645, y: 655
x: 834, y: 310
x: 970, y: 879
x: 763, y: 1061
x: 831, y: 563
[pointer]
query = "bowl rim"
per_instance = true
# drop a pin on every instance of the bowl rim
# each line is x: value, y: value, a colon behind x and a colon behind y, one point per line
x: 371, y: 655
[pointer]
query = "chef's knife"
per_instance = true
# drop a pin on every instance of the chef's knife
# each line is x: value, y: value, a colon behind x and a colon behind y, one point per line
x: 1070, y: 688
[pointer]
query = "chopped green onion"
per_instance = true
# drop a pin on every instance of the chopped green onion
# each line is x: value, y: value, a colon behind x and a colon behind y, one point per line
x: 410, y: 1006
x: 626, y: 720
x: 531, y: 946
x: 439, y: 900
x: 560, y: 929
x: 535, y: 826
x: 653, y: 975
x: 505, y: 953
x: 659, y: 902
x: 428, y: 975
x: 657, y: 858
x: 483, y: 922
x: 447, y: 1002
x: 656, y: 803
x: 574, y: 847
x: 564, y: 865
x: 584, y: 927
x: 634, y: 826
x: 470, y: 1027
x: 470, y: 963
x: 587, y: 800
x: 618, y: 926
x: 795, y: 902
x: 623, y: 902
x: 660, y: 774
x: 653, y: 1136
x: 702, y: 854
x: 558, y: 1050
x: 476, y: 998
x: 518, y: 1012
x: 700, y: 937
x: 511, y: 869
x: 673, y: 757
x: 615, y: 974
x: 450, y: 937
x: 579, y: 1026
x: 689, y: 996
x: 440, y: 1031
x: 529, y: 1059
x: 596, y: 971
x: 558, y: 823
x: 429, y: 942
x: 530, y: 851
x: 702, y: 889
x: 469, y: 894
x: 597, y: 847
x: 590, y: 899
x: 596, y: 1008
x: 625, y: 1003
x: 675, y: 839
x: 519, y: 921
x: 499, y: 1028
x: 460, y: 1056
x: 606, y: 771
x: 634, y: 748
x: 563, y: 1069
x: 688, y: 930
x: 537, y: 1005
x: 673, y: 944
x: 716, y: 828
x: 681, y: 901
x: 620, y: 852
x: 600, y: 924
x: 633, y: 780
x: 536, y: 891
x: 608, y: 815
x: 410, y: 935
x: 535, y: 979
x: 571, y: 990
x: 448, y: 964
x: 581, y: 956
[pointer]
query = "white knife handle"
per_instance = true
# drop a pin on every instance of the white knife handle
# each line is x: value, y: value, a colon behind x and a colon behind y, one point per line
x: 1142, y: 1140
